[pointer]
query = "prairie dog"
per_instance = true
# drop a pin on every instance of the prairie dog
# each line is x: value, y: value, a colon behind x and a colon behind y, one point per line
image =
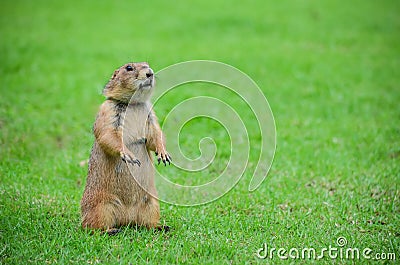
x: 116, y: 195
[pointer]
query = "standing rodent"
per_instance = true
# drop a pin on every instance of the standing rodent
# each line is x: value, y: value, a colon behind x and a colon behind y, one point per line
x: 116, y: 195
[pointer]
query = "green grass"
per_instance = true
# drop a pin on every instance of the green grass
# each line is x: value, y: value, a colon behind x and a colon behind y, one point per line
x: 331, y: 73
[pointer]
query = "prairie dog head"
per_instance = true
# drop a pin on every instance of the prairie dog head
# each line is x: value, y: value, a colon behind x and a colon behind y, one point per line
x: 131, y: 82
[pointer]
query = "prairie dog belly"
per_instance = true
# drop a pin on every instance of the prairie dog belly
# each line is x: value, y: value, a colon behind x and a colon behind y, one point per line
x: 133, y: 182
x: 142, y: 174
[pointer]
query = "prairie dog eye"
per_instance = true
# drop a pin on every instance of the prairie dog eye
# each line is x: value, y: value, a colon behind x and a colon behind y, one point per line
x: 129, y: 68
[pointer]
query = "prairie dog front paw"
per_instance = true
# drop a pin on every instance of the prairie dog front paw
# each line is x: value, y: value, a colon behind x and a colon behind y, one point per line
x: 128, y: 157
x: 164, y: 157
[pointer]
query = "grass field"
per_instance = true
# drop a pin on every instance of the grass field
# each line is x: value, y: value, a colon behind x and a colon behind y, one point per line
x: 331, y: 73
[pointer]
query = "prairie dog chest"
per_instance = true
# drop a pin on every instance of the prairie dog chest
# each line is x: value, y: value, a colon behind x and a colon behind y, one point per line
x: 134, y: 123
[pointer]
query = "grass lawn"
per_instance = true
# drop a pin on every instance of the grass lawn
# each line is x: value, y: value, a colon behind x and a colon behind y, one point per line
x: 329, y: 69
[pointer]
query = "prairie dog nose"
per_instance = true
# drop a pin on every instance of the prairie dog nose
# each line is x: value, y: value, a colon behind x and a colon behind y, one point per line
x: 149, y: 73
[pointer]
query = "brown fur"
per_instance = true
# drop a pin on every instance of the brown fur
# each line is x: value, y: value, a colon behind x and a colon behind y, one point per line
x: 116, y: 195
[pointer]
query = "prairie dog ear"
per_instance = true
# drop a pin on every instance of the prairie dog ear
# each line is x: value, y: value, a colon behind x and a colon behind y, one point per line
x: 110, y: 82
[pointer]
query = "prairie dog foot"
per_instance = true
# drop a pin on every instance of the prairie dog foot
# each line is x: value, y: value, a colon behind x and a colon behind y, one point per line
x: 113, y: 231
x: 163, y: 228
